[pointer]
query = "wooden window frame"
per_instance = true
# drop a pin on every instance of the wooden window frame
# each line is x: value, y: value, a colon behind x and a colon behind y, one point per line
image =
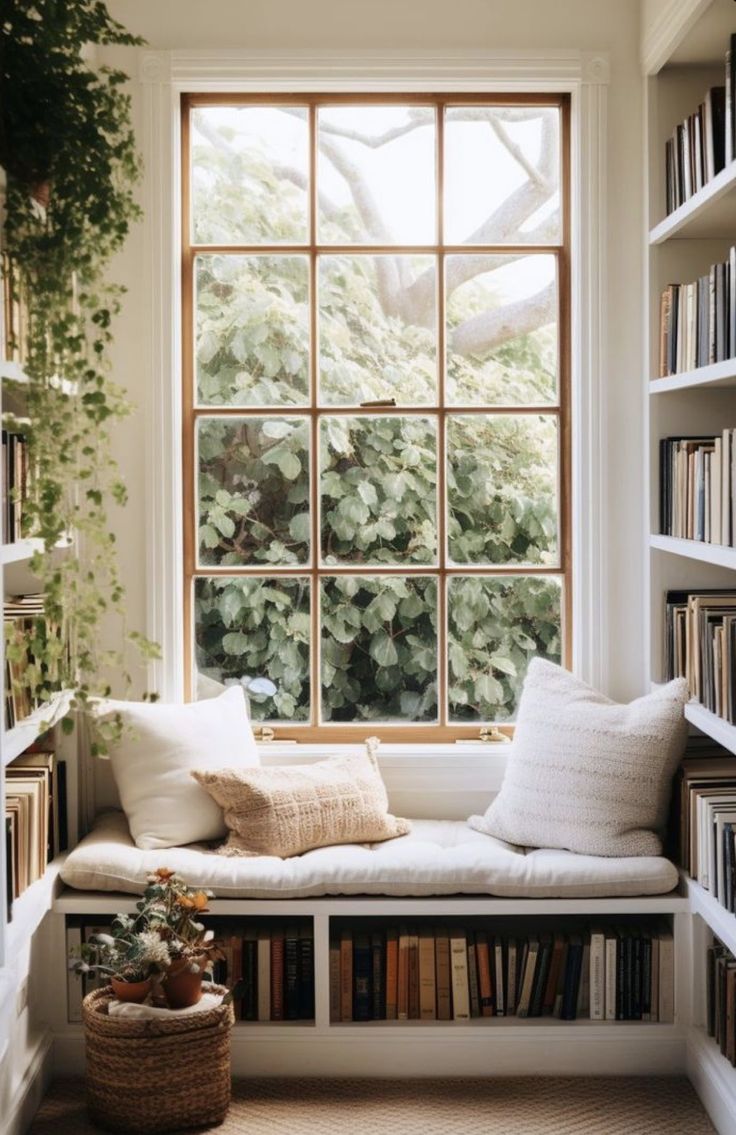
x: 442, y: 731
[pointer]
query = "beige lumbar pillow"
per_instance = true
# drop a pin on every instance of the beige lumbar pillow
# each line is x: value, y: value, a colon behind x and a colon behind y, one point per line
x: 286, y: 810
x: 586, y: 773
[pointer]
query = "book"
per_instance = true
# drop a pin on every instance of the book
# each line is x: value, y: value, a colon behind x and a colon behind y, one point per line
x: 335, y: 980
x: 346, y: 975
x: 403, y: 975
x: 277, y: 973
x: 291, y: 973
x: 427, y: 976
x: 498, y: 951
x: 392, y: 973
x: 485, y: 987
x: 611, y: 993
x: 443, y: 976
x: 527, y: 980
x: 413, y: 975
x: 263, y: 955
x: 597, y: 974
x: 378, y: 976
x: 249, y: 970
x: 362, y: 968
x: 459, y: 972
x: 473, y: 991
x: 306, y: 972
x: 666, y: 977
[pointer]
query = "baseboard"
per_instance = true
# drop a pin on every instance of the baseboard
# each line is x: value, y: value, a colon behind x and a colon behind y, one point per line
x: 713, y: 1079
x: 32, y: 1088
x: 536, y: 1050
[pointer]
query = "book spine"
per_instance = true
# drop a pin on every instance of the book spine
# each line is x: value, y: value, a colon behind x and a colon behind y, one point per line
x: 346, y: 975
x: 403, y: 976
x: 485, y: 987
x: 277, y: 975
x: 378, y: 977
x: 611, y: 971
x: 306, y: 975
x: 291, y: 975
x: 444, y: 995
x: 250, y: 979
x: 335, y: 982
x: 427, y: 980
x: 264, y: 975
x: 362, y: 966
x: 392, y: 974
x: 459, y: 970
x: 597, y: 975
x: 473, y: 990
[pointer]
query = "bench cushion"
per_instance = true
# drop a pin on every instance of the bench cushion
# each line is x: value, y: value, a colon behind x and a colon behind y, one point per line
x: 438, y: 857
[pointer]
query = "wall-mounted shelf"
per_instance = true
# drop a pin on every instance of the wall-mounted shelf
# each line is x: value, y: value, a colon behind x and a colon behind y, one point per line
x: 711, y: 212
x: 716, y: 375
x: 720, y: 920
x: 17, y: 739
x: 716, y: 727
x: 717, y: 554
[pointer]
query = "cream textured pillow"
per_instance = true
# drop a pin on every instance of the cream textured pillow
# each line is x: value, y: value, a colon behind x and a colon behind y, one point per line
x: 160, y: 746
x: 289, y: 809
x: 585, y: 773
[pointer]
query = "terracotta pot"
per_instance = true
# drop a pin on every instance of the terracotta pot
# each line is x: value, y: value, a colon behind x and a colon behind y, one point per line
x: 131, y: 990
x: 181, y: 987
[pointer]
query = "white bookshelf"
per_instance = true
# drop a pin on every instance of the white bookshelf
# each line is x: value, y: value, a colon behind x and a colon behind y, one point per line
x: 685, y: 59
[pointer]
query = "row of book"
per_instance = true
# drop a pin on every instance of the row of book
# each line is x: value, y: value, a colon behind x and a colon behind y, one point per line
x: 721, y: 999
x: 14, y: 484
x: 697, y: 323
x: 705, y: 142
x: 700, y: 646
x: 698, y: 487
x: 270, y: 967
x: 24, y: 624
x: 35, y: 818
x: 704, y: 804
x: 622, y: 973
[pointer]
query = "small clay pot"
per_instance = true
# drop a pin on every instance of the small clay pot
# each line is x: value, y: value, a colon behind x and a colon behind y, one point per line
x: 181, y: 987
x: 136, y: 991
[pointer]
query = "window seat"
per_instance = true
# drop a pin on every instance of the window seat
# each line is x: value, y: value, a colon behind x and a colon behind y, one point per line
x: 438, y: 857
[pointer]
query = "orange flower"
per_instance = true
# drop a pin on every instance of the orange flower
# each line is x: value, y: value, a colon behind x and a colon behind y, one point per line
x: 196, y: 902
x: 164, y: 874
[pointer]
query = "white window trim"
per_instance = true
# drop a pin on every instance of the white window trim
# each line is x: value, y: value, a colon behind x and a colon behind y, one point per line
x: 164, y: 76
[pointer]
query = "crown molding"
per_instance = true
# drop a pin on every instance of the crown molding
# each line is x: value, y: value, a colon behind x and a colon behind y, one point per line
x: 238, y: 69
x: 668, y: 31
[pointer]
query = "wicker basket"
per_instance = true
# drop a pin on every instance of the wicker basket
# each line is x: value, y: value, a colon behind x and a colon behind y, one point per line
x: 157, y: 1075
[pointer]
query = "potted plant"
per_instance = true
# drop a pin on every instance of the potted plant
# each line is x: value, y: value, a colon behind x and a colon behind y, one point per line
x: 160, y: 954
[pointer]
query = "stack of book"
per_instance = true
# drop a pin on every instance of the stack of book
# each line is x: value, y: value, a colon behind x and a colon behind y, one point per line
x: 23, y: 623
x: 705, y: 142
x: 705, y: 802
x: 700, y: 645
x: 621, y: 973
x: 697, y: 150
x: 272, y: 965
x: 14, y: 482
x: 697, y: 324
x: 696, y: 488
x: 35, y: 818
x: 721, y: 999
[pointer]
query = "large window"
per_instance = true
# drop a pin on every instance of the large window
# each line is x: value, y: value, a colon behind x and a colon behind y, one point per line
x: 376, y: 406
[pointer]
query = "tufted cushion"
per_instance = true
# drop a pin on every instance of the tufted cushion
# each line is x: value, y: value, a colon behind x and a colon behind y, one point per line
x: 438, y: 857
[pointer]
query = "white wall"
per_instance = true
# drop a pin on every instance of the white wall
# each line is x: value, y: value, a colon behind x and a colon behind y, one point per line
x: 590, y: 25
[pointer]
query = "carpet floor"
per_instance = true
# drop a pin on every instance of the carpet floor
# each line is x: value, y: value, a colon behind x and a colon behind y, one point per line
x: 523, y: 1106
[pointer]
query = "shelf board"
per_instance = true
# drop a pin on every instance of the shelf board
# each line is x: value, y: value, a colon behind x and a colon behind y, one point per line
x: 12, y: 371
x: 29, y: 910
x: 711, y: 212
x: 19, y: 552
x: 717, y: 554
x: 719, y: 375
x: 720, y: 920
x: 716, y: 727
x: 17, y: 739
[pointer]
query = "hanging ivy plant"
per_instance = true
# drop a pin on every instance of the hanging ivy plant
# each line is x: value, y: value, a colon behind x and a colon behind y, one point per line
x: 69, y: 155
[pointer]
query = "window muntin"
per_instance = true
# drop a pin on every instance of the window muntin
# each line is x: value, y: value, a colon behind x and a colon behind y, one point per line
x: 378, y: 573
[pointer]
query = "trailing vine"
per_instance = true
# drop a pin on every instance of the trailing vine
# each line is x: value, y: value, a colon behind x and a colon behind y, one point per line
x: 69, y: 154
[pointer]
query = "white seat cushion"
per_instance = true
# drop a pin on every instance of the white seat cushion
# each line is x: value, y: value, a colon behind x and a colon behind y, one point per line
x: 438, y: 857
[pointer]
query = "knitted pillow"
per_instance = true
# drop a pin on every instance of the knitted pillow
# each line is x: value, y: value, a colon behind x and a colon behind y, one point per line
x: 585, y: 773
x: 289, y: 809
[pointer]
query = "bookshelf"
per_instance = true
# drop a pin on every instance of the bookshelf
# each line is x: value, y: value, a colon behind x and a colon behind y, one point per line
x: 687, y: 59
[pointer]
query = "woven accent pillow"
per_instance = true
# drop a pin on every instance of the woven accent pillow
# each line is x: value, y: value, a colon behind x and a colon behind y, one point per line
x: 586, y: 773
x: 286, y: 810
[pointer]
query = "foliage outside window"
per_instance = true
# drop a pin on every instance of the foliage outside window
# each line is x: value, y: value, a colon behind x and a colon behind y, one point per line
x: 375, y: 392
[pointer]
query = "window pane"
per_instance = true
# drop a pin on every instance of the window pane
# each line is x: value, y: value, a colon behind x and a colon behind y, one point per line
x: 377, y: 329
x: 502, y: 175
x: 379, y: 649
x: 249, y: 174
x: 501, y: 330
x: 252, y: 330
x: 253, y: 490
x: 495, y: 627
x: 376, y: 170
x: 254, y: 628
x: 502, y: 489
x: 379, y: 490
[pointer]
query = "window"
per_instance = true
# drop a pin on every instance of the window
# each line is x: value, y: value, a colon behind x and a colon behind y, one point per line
x: 376, y: 406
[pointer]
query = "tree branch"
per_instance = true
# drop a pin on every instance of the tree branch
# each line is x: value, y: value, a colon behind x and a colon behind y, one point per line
x: 489, y: 329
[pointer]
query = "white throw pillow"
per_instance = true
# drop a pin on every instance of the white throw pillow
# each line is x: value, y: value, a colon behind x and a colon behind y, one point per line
x: 152, y: 764
x: 586, y: 773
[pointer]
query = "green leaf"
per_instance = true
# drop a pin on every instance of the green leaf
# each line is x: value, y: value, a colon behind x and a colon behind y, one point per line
x: 299, y: 527
x: 235, y: 643
x: 382, y: 649
x: 505, y: 665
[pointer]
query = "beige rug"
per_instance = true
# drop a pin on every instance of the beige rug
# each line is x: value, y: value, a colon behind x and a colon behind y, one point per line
x: 569, y: 1106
